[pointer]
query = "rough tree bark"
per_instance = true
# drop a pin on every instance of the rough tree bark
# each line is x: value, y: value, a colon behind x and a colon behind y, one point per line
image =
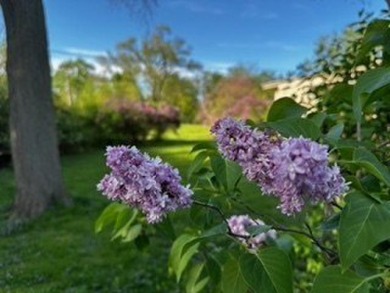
x: 32, y: 122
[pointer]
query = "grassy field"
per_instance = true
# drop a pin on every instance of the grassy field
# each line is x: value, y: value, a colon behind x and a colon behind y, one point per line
x: 59, y: 252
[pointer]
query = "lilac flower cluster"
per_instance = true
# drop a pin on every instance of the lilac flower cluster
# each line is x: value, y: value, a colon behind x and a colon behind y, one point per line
x: 143, y: 183
x: 247, y: 147
x: 239, y: 226
x: 295, y: 170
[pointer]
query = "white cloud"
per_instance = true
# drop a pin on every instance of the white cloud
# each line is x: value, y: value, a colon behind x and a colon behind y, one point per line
x: 59, y: 56
x: 195, y: 7
x: 220, y: 67
x: 83, y: 52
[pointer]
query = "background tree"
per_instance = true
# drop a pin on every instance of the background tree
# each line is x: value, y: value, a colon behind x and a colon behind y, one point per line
x: 154, y: 60
x: 70, y: 79
x: 182, y: 93
x: 239, y: 94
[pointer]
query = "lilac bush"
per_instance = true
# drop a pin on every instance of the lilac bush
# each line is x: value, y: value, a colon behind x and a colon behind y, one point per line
x: 295, y: 170
x: 144, y: 183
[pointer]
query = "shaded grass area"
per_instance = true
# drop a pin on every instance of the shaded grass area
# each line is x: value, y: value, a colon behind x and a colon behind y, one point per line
x: 59, y: 252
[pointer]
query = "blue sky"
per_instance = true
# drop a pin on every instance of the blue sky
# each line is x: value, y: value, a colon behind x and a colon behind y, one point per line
x: 268, y: 34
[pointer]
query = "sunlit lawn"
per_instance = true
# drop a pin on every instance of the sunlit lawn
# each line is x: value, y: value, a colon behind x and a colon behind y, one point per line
x: 60, y: 252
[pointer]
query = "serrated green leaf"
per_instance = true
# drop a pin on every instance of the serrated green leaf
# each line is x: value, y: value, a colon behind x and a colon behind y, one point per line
x: 285, y: 108
x: 369, y: 82
x: 296, y: 127
x: 332, y: 279
x: 364, y: 223
x: 278, y: 268
x: 232, y: 279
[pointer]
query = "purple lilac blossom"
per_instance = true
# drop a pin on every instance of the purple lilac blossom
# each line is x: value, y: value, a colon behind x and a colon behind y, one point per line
x: 143, y: 183
x: 247, y: 147
x: 295, y: 170
x: 301, y: 173
x: 239, y: 225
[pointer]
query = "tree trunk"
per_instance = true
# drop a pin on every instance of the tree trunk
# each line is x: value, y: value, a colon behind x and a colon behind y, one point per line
x: 32, y: 120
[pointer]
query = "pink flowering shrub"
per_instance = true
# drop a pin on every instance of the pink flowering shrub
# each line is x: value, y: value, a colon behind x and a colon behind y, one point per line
x: 123, y: 121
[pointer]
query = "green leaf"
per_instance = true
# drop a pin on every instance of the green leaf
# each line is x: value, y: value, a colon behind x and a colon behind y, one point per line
x: 185, y: 259
x: 332, y: 223
x: 256, y: 230
x: 285, y: 108
x: 109, y: 216
x: 254, y: 274
x: 340, y: 93
x: 369, y: 82
x: 296, y: 127
x: 213, y: 269
x: 197, y: 163
x: 278, y: 268
x: 218, y: 230
x: 377, y: 33
x: 181, y: 254
x: 368, y: 161
x: 218, y: 164
x: 166, y: 228
x: 122, y: 228
x: 332, y: 280
x: 335, y: 133
x: 193, y: 284
x: 364, y: 223
x: 227, y: 173
x: 233, y: 174
x: 232, y: 279
x: 133, y: 233
x: 204, y: 146
x: 318, y: 118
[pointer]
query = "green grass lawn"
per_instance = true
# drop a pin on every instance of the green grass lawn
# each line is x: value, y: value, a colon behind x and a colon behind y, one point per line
x: 59, y: 252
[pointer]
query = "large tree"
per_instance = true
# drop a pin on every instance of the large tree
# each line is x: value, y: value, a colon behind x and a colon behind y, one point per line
x: 32, y: 123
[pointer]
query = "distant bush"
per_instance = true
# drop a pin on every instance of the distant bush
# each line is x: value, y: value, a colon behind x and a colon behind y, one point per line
x: 75, y: 131
x: 122, y: 121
